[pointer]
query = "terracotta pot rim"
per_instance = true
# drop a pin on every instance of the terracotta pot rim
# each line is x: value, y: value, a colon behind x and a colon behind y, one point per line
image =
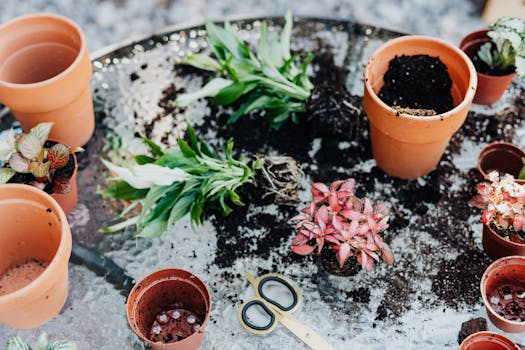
x: 155, y: 282
x: 490, y: 269
x: 499, y: 238
x: 486, y: 334
x: 81, y: 52
x: 492, y: 144
x: 63, y: 246
x: 466, y: 45
x: 469, y: 96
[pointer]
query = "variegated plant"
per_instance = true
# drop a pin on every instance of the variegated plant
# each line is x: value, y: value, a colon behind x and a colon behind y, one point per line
x: 26, y: 154
x: 507, y: 46
x: 17, y: 343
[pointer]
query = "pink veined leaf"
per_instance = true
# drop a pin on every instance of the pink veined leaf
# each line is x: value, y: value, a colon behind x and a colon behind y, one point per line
x: 387, y: 254
x: 61, y: 186
x: 336, y: 222
x: 351, y: 214
x: 332, y: 239
x: 369, y: 265
x: 321, y: 188
x: 381, y: 209
x: 335, y: 185
x: 368, y: 207
x: 487, y: 216
x: 299, y: 217
x: 383, y: 223
x: 348, y: 186
x: 364, y: 229
x: 58, y: 155
x: 370, y: 245
x: 362, y: 258
x: 372, y: 224
x: 320, y: 244
x: 19, y: 163
x: 356, y: 243
x: 519, y: 222
x: 322, y: 216
x: 29, y: 145
x: 343, y: 253
x: 344, y: 194
x: 334, y: 202
x: 313, y: 209
x: 303, y: 249
x: 338, y: 237
x: 373, y: 255
x: 378, y: 240
x: 353, y: 229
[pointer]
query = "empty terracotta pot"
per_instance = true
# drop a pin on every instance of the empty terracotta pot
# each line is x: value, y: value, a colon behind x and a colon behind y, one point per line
x: 36, y: 246
x: 407, y: 146
x: 44, y: 75
x: 490, y: 87
x: 487, y: 341
x: 169, y: 309
x: 503, y: 292
x: 504, y: 157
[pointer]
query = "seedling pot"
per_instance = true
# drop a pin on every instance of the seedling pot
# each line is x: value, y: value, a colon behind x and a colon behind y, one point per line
x: 487, y: 341
x: 490, y: 87
x: 44, y: 75
x: 34, y: 229
x: 169, y: 299
x: 407, y: 146
x: 503, y: 292
x: 504, y: 157
x: 497, y: 247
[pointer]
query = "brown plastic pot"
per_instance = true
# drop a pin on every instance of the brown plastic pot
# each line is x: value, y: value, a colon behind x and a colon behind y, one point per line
x: 490, y: 87
x: 501, y: 273
x: 407, y: 146
x: 45, y: 72
x: 163, y: 290
x: 33, y: 227
x: 487, y: 341
x: 497, y: 247
x: 504, y: 157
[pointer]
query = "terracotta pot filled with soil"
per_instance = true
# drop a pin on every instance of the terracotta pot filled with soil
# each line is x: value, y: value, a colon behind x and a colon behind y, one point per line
x: 169, y: 309
x: 45, y: 73
x: 503, y: 292
x: 492, y: 83
x: 503, y: 157
x: 487, y: 341
x: 418, y: 91
x: 36, y: 246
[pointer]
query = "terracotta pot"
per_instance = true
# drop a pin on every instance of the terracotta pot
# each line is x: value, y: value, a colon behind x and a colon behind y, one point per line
x: 69, y: 200
x: 497, y: 247
x: 503, y: 157
x: 487, y: 341
x: 490, y: 87
x: 408, y: 146
x: 33, y: 227
x: 502, y: 289
x: 45, y: 72
x: 159, y: 294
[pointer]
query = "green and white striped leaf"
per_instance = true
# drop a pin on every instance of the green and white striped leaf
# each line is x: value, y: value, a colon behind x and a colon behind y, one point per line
x: 29, y: 145
x: 6, y: 174
x: 41, y: 131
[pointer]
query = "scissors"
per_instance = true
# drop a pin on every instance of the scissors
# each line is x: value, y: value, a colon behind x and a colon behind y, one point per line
x: 278, y: 312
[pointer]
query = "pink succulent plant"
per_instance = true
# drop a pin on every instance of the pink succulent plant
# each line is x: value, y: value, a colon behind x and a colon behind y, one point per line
x: 350, y: 225
x: 503, y: 202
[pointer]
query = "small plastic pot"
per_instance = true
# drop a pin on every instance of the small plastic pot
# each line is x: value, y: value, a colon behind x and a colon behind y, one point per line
x: 490, y: 87
x: 503, y: 290
x: 45, y: 73
x: 34, y: 227
x: 407, y: 146
x: 504, y: 157
x: 157, y: 295
x: 487, y: 341
x: 497, y: 247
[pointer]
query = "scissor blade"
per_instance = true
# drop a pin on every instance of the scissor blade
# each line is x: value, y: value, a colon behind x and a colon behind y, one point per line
x: 307, y: 335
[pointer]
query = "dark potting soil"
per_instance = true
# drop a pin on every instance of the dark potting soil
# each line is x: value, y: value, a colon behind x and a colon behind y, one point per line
x: 483, y: 68
x: 64, y: 172
x: 328, y: 262
x: 418, y: 82
x: 510, y: 235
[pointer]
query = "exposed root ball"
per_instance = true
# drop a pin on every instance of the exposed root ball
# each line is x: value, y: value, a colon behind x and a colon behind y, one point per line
x: 278, y: 180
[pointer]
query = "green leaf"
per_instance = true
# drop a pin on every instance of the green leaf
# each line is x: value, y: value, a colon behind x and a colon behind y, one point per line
x: 155, y: 149
x: 41, y: 343
x: 210, y: 89
x: 41, y: 131
x: 194, y: 143
x: 154, y: 229
x: 232, y: 93
x: 142, y: 159
x: 123, y: 190
x: 39, y: 169
x: 165, y: 203
x: 181, y: 208
x: 58, y: 155
x: 120, y: 226
x: 6, y: 174
x: 202, y: 62
x: 225, y: 40
x: 208, y: 150
x: 196, y: 212
x: 521, y: 176
x: 286, y: 35
x: 186, y: 150
x: 29, y: 145
x: 17, y: 343
x: 234, y: 197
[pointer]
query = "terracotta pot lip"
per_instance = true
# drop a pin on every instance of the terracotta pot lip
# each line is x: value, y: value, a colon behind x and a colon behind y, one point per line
x: 487, y: 334
x: 499, y: 238
x: 80, y: 55
x: 489, y: 271
x: 155, y: 282
x: 64, y: 246
x: 498, y: 143
x: 471, y: 89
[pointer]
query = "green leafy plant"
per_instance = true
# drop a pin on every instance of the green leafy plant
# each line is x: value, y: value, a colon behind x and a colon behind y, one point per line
x: 270, y: 79
x: 25, y: 154
x: 193, y: 179
x: 521, y: 176
x: 507, y: 46
x: 17, y: 343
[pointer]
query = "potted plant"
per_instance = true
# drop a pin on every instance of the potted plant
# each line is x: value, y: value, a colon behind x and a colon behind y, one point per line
x: 34, y: 160
x: 169, y: 309
x: 503, y: 157
x: 408, y: 140
x: 17, y: 343
x: 498, y: 54
x: 195, y: 180
x: 503, y: 290
x: 36, y: 246
x: 503, y: 202
x: 349, y: 225
x: 45, y: 72
x: 487, y: 340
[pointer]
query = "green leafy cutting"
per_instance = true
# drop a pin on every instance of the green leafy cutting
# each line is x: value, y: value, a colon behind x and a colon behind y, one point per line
x: 17, y: 343
x: 265, y: 80
x: 172, y: 183
x: 521, y: 176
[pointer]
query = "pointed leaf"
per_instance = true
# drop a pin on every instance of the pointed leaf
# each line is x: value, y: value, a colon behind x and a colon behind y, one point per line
x: 6, y: 174
x: 29, y: 145
x: 303, y: 249
x: 19, y: 163
x: 58, y: 155
x: 41, y: 343
x: 41, y: 131
x: 39, y: 169
x: 343, y: 253
x: 154, y: 228
x: 16, y: 343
